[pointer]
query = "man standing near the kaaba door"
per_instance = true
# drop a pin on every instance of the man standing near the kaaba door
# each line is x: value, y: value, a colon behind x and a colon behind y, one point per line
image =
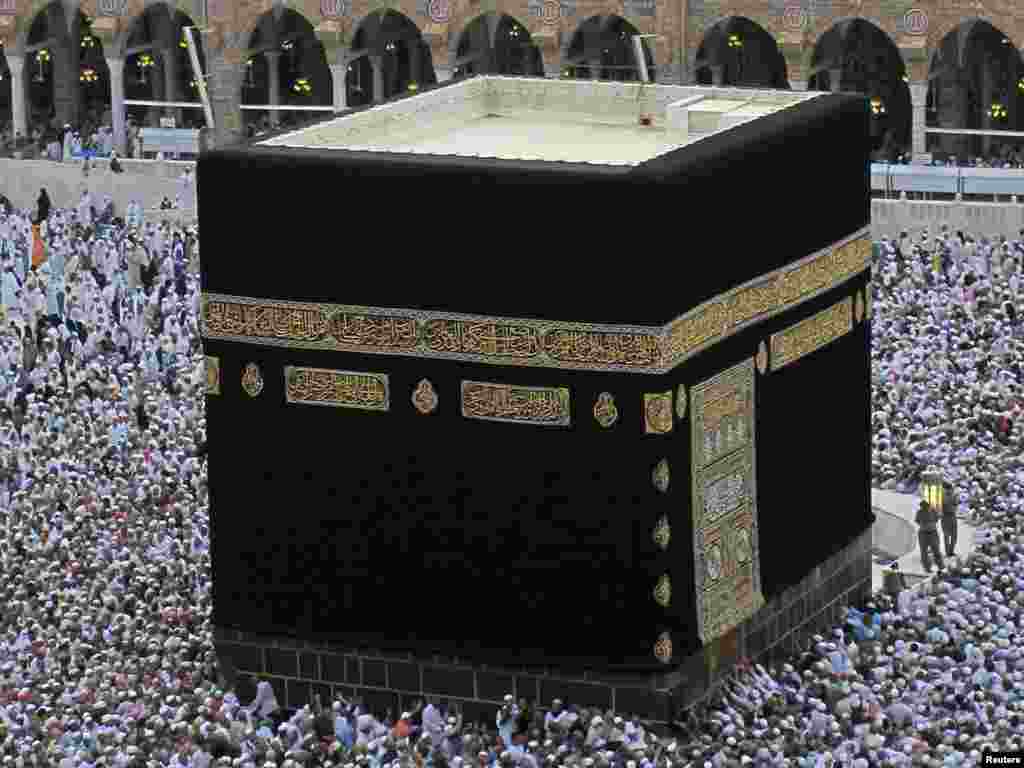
x: 928, y: 535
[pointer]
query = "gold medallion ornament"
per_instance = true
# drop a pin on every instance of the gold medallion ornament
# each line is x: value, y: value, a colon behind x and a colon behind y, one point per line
x: 658, y: 413
x: 663, y: 648
x: 660, y: 475
x: 681, y: 402
x: 662, y: 533
x: 424, y: 397
x: 663, y: 591
x: 605, y: 411
x: 762, y: 357
x: 212, y: 375
x: 858, y: 307
x: 252, y: 380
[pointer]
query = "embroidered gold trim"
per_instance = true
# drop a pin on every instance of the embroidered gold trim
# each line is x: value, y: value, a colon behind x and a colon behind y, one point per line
x: 662, y: 533
x: 424, y: 397
x: 252, y: 380
x: 681, y: 400
x: 524, y: 342
x: 657, y: 413
x: 663, y: 591
x: 605, y: 412
x: 724, y: 507
x: 549, y: 406
x: 660, y: 475
x: 663, y: 648
x: 338, y: 389
x: 812, y: 334
x: 762, y: 358
x: 212, y: 375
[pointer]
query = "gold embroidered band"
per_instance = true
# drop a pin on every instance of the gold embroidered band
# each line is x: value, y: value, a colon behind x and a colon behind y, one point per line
x: 812, y: 334
x: 520, y: 405
x: 340, y: 389
x: 548, y: 344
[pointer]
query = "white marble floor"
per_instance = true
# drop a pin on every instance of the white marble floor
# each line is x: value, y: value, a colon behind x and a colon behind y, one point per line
x: 905, y: 506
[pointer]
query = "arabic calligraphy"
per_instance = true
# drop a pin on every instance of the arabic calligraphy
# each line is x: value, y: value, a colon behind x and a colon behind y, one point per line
x: 341, y: 389
x: 812, y: 334
x: 521, y: 405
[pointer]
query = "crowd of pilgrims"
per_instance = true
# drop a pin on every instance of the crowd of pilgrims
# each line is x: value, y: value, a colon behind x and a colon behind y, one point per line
x: 106, y: 651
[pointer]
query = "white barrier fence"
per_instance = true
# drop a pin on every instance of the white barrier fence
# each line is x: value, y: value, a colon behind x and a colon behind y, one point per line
x: 894, y: 179
x: 889, y: 217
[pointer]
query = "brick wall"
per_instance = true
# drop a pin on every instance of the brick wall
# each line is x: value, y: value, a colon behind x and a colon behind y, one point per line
x: 297, y: 669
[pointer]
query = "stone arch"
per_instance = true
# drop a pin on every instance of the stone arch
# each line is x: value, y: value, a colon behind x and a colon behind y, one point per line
x: 157, y: 27
x: 974, y: 66
x: 938, y: 33
x: 253, y: 23
x: 604, y: 37
x: 129, y: 29
x: 281, y: 53
x: 456, y: 38
x: 765, y: 66
x: 867, y: 61
x: 394, y: 55
x: 500, y: 43
x: 25, y: 28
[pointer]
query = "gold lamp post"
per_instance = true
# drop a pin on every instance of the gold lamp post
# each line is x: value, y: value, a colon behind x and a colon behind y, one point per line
x: 931, y: 488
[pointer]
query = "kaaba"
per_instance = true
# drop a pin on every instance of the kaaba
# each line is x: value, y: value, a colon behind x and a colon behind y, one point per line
x: 537, y: 372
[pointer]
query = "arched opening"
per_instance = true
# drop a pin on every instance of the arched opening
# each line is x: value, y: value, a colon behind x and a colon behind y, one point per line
x: 68, y: 79
x: 509, y: 51
x: 286, y: 66
x: 393, y: 59
x: 855, y: 55
x: 976, y: 81
x: 158, y: 68
x: 602, y: 49
x: 739, y: 52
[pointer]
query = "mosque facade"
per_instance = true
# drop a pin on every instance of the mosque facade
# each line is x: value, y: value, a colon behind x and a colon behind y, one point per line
x: 922, y: 63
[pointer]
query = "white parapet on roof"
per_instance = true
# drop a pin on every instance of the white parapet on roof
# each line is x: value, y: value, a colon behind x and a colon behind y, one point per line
x: 523, y: 118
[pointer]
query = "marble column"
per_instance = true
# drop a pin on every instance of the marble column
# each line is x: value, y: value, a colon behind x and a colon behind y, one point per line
x: 274, y: 81
x: 117, y: 114
x: 19, y: 97
x: 339, y: 90
x: 377, y: 65
x: 918, y: 100
x: 835, y: 80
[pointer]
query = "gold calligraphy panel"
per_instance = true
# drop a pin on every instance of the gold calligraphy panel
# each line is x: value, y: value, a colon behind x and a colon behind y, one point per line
x: 725, y: 538
x: 525, y: 342
x: 340, y: 389
x: 519, y: 405
x: 812, y: 334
